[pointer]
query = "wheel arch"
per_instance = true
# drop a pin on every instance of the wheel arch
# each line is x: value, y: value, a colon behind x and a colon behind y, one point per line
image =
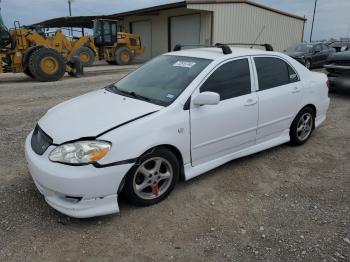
x: 314, y: 109
x: 172, y: 149
x: 28, y: 53
x: 312, y: 106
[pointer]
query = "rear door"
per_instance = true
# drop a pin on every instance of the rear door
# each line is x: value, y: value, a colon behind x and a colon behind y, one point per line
x: 318, y: 56
x: 280, y: 94
x: 230, y: 126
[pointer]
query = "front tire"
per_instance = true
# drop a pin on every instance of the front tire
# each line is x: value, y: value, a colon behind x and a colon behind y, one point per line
x: 47, y: 65
x: 85, y: 55
x: 153, y: 178
x: 302, y: 126
x: 123, y: 56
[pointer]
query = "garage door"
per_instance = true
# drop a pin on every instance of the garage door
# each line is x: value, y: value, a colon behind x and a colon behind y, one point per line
x: 144, y: 29
x: 185, y: 30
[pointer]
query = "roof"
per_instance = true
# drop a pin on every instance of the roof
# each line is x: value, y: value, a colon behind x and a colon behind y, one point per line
x: 246, y: 2
x: 69, y: 21
x: 86, y: 21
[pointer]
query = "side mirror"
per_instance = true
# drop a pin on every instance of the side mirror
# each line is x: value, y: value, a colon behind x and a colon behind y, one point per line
x: 207, y: 98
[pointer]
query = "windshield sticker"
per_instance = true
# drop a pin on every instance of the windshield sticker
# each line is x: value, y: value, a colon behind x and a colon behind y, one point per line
x: 170, y: 96
x: 184, y: 64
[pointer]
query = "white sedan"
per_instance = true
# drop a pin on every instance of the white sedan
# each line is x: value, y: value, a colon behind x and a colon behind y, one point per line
x: 178, y: 116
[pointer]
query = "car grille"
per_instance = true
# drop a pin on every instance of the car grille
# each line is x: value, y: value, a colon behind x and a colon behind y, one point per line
x: 40, y: 141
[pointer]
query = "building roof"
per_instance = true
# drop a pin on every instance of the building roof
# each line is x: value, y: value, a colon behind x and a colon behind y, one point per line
x: 86, y: 21
x: 245, y: 2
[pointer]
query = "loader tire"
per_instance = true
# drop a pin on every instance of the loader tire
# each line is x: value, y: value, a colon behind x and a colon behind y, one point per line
x: 28, y: 73
x: 123, y: 56
x: 86, y: 55
x: 47, y: 65
x: 77, y: 67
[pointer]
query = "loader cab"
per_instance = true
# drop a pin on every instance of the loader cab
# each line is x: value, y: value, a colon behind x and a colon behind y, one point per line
x: 105, y: 32
x: 5, y: 37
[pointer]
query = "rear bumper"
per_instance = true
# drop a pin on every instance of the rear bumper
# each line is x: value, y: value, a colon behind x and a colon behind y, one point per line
x: 338, y: 75
x: 343, y: 81
x: 77, y: 191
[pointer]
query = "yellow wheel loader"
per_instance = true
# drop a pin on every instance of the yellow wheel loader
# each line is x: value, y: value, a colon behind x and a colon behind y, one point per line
x: 23, y: 50
x: 82, y: 47
x: 115, y: 47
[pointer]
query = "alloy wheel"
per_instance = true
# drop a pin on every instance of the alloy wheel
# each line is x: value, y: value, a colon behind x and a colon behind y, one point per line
x: 304, y: 126
x: 153, y: 178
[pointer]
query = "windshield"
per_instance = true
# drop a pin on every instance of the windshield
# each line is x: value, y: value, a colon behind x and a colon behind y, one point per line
x: 305, y: 48
x: 161, y: 80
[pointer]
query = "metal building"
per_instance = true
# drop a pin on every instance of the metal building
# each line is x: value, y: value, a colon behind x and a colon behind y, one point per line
x: 212, y: 21
x: 205, y: 22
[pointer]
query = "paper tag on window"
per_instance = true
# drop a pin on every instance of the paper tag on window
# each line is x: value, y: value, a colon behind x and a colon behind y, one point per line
x: 170, y: 96
x: 184, y: 64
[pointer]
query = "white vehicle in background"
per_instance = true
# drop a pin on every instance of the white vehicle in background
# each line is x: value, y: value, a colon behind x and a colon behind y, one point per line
x: 178, y: 116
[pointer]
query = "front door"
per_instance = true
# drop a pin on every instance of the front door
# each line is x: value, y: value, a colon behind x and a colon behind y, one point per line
x: 220, y: 130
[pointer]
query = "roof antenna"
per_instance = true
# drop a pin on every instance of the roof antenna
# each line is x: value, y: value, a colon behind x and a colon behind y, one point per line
x: 261, y: 31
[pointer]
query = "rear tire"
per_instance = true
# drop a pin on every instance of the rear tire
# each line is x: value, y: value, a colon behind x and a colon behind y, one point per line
x: 28, y: 73
x: 308, y: 64
x: 156, y: 171
x: 85, y: 55
x: 123, y: 56
x: 47, y: 65
x: 302, y: 126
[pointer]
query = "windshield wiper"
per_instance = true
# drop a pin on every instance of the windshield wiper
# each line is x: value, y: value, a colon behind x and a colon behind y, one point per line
x: 133, y: 94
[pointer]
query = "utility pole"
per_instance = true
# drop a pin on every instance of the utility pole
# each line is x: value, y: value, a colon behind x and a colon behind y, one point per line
x: 313, y: 20
x: 70, y: 14
x: 70, y: 7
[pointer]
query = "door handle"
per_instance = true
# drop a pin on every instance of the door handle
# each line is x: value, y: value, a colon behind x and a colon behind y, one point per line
x: 296, y: 90
x: 251, y: 102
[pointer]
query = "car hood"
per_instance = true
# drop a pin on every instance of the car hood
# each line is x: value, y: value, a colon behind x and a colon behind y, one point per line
x: 341, y: 56
x: 295, y: 54
x: 92, y: 114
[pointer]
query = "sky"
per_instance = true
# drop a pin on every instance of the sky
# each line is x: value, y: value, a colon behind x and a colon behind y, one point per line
x: 332, y: 17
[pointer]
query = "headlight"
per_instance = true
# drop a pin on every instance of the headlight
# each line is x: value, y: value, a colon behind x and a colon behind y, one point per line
x: 81, y: 152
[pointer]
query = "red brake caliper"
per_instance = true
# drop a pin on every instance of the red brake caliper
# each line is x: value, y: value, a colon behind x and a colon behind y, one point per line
x: 155, y: 189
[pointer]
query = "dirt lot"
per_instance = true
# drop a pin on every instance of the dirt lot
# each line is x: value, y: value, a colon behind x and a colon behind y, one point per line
x: 284, y: 204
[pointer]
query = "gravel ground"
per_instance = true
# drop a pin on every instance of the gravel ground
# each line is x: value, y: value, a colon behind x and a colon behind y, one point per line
x: 284, y: 204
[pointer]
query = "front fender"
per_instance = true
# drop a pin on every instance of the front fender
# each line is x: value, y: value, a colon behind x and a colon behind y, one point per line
x: 169, y: 126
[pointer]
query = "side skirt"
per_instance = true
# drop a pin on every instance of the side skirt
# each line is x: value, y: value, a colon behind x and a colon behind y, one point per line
x: 193, y: 171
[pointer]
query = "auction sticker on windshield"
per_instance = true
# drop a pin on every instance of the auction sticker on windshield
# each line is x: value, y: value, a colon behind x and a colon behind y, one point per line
x: 184, y: 64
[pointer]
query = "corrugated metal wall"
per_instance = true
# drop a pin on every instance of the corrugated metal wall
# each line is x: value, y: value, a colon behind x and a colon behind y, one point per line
x: 241, y: 22
x: 235, y: 22
x: 159, y: 23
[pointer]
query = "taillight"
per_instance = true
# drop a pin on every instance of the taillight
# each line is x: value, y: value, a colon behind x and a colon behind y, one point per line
x: 328, y: 83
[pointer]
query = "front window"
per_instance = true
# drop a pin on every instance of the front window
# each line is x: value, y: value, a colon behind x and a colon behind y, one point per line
x: 161, y: 80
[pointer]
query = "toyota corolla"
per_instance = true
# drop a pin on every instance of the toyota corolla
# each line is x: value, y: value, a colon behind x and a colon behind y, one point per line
x: 178, y: 116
